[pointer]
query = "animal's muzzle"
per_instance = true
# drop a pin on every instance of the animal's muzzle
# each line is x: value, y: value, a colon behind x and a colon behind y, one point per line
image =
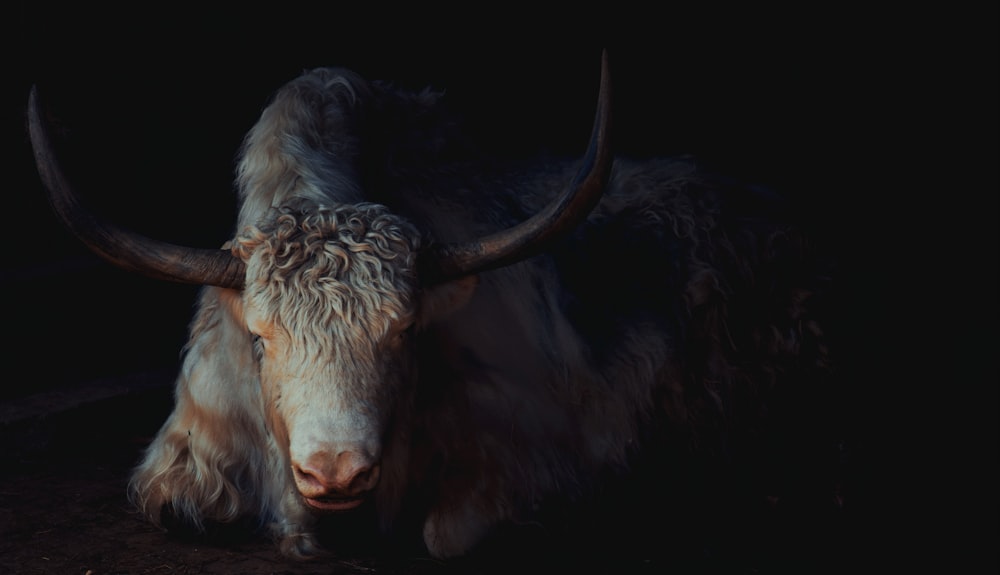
x: 335, y: 482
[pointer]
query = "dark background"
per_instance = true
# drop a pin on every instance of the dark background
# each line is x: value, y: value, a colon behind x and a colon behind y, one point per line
x: 881, y: 126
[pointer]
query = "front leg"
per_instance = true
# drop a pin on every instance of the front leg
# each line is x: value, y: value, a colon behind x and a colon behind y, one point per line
x: 462, y: 519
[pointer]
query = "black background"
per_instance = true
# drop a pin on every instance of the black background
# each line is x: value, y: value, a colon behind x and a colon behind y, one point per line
x: 880, y: 124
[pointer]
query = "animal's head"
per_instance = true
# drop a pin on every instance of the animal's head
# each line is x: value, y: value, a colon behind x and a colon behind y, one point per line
x: 330, y: 297
x: 330, y: 300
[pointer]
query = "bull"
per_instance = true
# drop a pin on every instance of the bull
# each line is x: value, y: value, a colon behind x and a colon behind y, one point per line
x: 396, y: 330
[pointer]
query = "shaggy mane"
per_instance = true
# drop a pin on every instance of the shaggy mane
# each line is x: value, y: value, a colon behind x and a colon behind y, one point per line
x: 327, y: 266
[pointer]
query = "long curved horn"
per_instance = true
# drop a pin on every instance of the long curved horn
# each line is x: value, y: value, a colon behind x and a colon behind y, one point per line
x: 558, y: 218
x: 121, y: 247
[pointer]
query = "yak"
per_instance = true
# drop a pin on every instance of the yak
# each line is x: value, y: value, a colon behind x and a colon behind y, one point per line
x: 447, y: 341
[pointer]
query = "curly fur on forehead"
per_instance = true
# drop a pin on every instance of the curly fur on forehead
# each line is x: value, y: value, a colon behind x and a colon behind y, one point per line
x: 349, y: 265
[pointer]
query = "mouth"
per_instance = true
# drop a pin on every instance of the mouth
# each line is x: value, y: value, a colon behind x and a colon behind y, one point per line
x: 334, y: 504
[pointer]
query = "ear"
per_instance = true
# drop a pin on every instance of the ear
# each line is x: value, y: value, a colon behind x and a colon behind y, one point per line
x: 441, y: 300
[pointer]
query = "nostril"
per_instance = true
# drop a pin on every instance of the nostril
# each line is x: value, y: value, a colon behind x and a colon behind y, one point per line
x: 365, y: 478
x: 307, y: 477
